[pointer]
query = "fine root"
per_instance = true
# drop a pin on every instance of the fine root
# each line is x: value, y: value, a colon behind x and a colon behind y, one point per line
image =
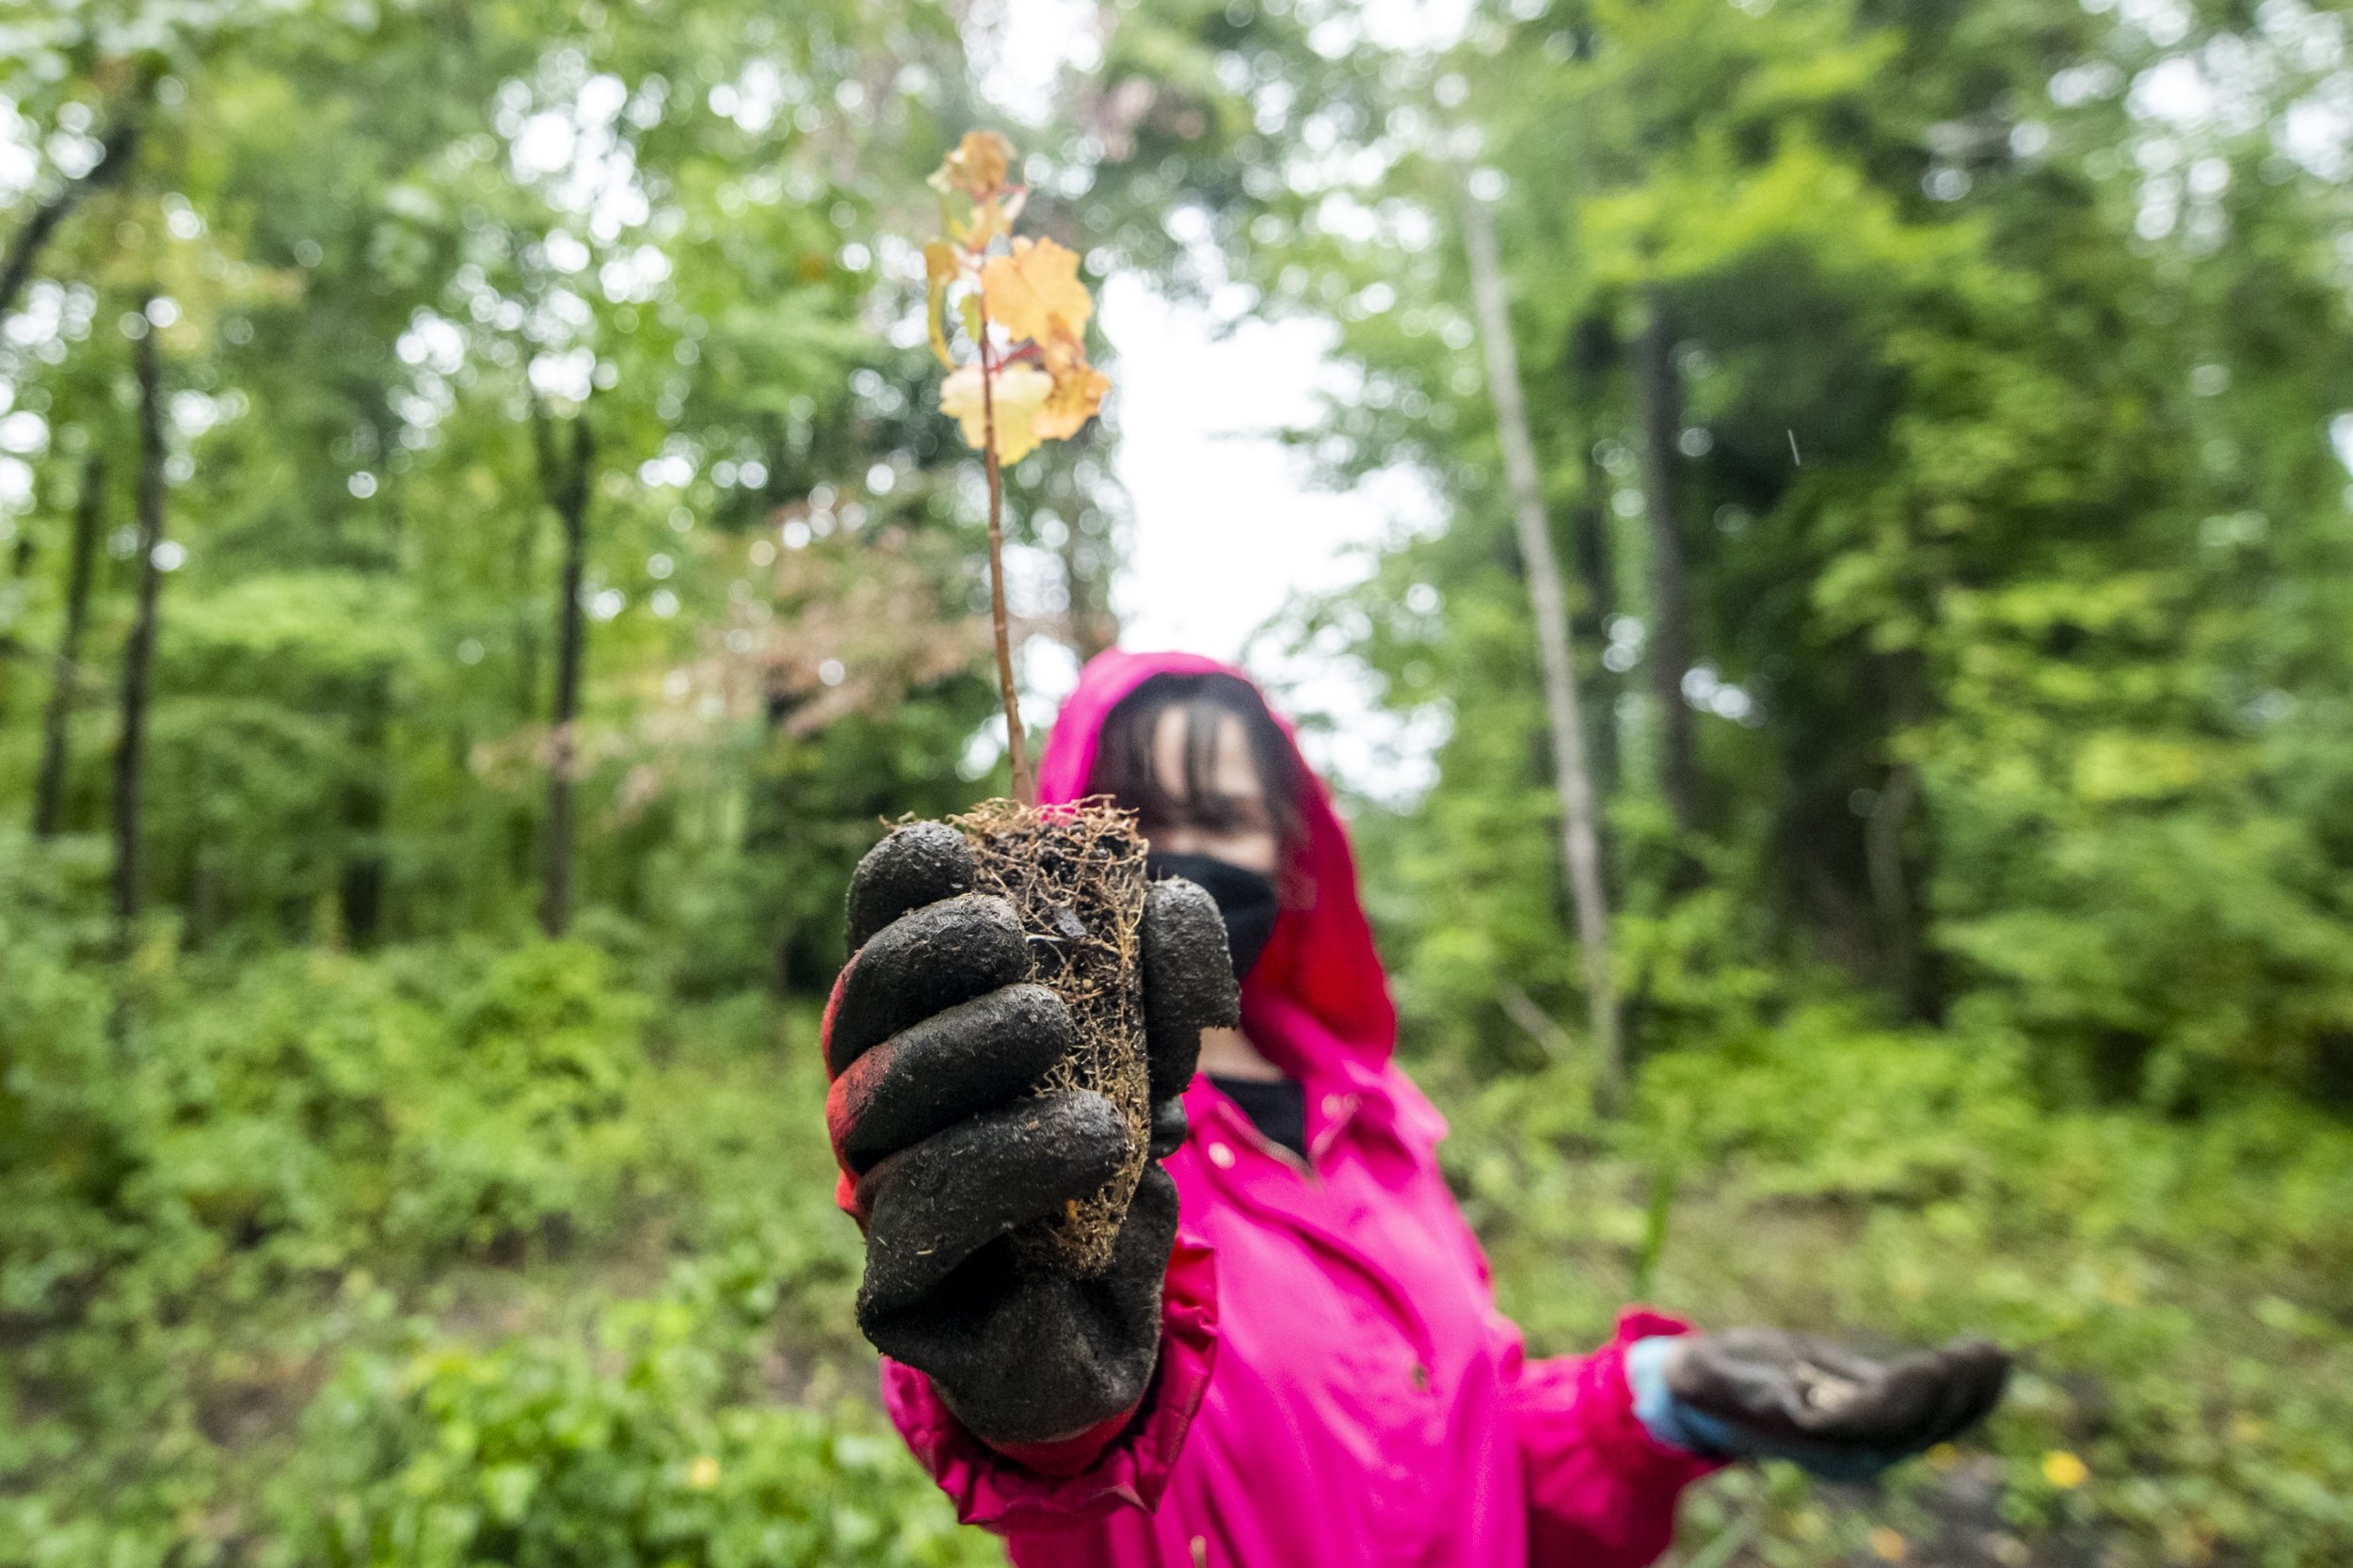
x: 1075, y: 876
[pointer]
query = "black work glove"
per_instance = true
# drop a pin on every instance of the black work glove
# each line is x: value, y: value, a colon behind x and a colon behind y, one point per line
x: 1763, y: 1394
x: 934, y: 1040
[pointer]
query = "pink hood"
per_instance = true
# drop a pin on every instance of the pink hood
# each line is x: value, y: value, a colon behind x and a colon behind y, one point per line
x: 1318, y: 1002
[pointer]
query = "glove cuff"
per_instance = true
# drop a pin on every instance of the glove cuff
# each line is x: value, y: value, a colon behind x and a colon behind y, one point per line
x: 1071, y: 1456
x: 1671, y: 1422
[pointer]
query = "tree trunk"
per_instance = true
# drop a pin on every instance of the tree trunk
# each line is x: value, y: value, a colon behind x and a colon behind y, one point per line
x: 521, y: 841
x: 1901, y: 939
x: 1591, y: 522
x: 139, y: 654
x: 1670, y: 653
x: 12, y: 646
x: 1592, y: 350
x: 365, y: 802
x: 568, y: 495
x: 49, y: 782
x: 114, y: 158
x: 526, y: 562
x: 1580, y: 848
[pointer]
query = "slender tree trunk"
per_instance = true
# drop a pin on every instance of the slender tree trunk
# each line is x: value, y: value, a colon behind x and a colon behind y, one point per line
x: 1670, y: 640
x: 526, y: 561
x: 1591, y: 522
x: 12, y: 646
x: 1592, y: 350
x: 364, y: 806
x: 139, y: 655
x: 520, y: 840
x: 569, y: 495
x: 114, y: 158
x: 49, y: 782
x: 1580, y: 847
x: 1883, y: 836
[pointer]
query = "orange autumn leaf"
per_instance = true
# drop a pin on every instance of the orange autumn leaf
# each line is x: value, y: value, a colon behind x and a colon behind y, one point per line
x: 1033, y: 292
x: 977, y: 167
x: 1074, y: 400
x: 1078, y: 391
x: 1019, y: 392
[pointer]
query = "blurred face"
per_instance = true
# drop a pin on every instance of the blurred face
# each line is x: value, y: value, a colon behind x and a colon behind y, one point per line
x: 1236, y: 825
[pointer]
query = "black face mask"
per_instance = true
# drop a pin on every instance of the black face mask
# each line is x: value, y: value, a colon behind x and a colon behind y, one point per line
x: 1245, y: 898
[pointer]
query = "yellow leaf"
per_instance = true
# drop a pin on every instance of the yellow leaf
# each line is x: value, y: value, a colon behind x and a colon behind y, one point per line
x: 703, y: 1473
x: 933, y: 299
x: 977, y: 167
x: 1075, y: 399
x: 1887, y: 1544
x: 2064, y: 1470
x: 939, y: 270
x: 1078, y: 389
x: 1020, y: 393
x: 1034, y: 293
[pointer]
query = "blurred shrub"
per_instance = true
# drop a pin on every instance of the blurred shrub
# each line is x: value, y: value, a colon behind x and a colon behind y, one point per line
x: 310, y: 1110
x: 2178, y: 1289
x: 635, y: 1444
x: 196, y: 1157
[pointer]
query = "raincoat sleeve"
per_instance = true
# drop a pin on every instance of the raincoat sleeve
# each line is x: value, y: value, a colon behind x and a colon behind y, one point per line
x: 1601, y: 1490
x: 1125, y: 1462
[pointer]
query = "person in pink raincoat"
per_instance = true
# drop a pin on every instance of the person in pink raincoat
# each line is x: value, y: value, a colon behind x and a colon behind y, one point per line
x: 1294, y: 1357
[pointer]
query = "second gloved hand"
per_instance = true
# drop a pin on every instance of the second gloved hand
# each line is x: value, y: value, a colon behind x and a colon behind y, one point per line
x: 1763, y: 1394
x: 934, y: 1039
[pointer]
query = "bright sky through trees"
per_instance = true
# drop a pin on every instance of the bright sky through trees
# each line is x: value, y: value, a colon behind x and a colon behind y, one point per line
x: 1228, y: 527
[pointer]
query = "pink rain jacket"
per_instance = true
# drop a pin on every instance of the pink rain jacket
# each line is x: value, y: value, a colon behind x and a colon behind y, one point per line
x: 1335, y: 1386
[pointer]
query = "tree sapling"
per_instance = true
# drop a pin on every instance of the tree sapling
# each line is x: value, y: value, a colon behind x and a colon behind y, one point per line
x: 1073, y: 874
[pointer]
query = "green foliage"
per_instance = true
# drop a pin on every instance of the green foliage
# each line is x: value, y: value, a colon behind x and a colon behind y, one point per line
x: 401, y: 266
x: 311, y: 1180
x: 191, y: 1165
x: 2177, y: 1289
x: 2011, y: 524
x: 626, y: 1448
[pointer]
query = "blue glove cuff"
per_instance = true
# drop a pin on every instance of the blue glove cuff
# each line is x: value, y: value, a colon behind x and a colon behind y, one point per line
x: 1668, y: 1419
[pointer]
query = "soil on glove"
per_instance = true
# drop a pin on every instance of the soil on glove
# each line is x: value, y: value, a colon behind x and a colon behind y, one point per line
x: 1075, y: 876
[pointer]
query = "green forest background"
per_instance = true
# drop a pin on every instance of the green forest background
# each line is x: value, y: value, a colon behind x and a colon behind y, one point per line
x: 479, y: 558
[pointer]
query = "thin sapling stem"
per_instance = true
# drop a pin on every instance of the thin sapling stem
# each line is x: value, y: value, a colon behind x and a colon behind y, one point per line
x: 1035, y: 386
x: 1017, y: 744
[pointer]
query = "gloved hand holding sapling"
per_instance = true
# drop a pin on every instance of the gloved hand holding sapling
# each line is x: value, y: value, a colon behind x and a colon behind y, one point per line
x: 1020, y: 1012
x: 999, y: 1145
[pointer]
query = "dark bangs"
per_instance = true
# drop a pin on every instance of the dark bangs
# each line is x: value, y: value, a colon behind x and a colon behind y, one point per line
x: 1125, y: 769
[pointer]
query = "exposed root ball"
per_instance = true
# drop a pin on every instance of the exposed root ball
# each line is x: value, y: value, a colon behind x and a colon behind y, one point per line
x: 1075, y: 876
